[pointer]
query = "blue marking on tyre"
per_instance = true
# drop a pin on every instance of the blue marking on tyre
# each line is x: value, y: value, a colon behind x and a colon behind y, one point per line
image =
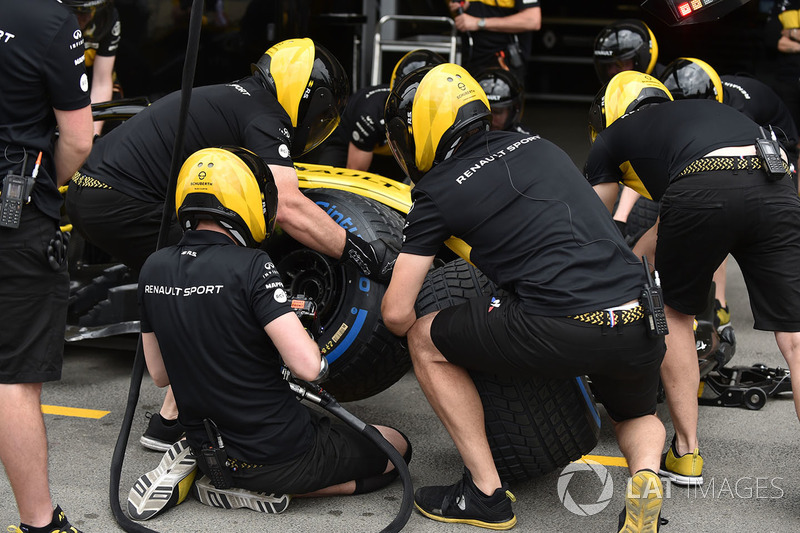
x: 355, y: 329
x: 363, y: 284
x: 588, y: 400
x: 338, y: 217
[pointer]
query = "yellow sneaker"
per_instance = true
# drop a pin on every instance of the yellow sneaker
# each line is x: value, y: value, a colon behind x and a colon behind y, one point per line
x: 686, y: 470
x: 643, y: 501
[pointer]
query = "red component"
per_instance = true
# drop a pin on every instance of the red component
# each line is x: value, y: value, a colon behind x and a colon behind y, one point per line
x: 685, y: 9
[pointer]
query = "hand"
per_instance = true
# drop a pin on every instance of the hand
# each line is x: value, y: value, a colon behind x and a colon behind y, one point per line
x: 455, y: 6
x: 466, y: 23
x: 375, y: 259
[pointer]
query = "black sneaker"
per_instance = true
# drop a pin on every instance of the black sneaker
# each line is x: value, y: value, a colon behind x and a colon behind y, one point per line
x: 464, y: 503
x: 161, y: 433
x: 60, y: 524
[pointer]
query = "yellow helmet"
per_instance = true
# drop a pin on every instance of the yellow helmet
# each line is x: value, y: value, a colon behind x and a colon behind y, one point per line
x: 688, y: 77
x: 626, y: 92
x: 311, y: 86
x: 413, y: 60
x: 430, y: 113
x: 232, y: 186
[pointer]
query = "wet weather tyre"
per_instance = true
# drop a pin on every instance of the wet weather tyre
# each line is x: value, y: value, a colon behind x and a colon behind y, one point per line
x: 640, y: 219
x: 364, y: 357
x: 534, y: 425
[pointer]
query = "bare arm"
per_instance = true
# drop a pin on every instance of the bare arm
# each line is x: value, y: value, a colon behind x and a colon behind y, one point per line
x: 397, y: 307
x: 358, y: 159
x: 304, y: 220
x: 155, y: 363
x: 74, y: 141
x: 646, y: 245
x: 299, y: 352
x: 529, y: 19
x: 627, y: 199
x: 102, y: 83
x: 607, y: 193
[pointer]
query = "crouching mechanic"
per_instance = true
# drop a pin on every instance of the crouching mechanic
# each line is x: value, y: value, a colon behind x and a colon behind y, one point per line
x: 290, y: 104
x: 216, y: 326
x: 564, y: 316
x: 700, y: 159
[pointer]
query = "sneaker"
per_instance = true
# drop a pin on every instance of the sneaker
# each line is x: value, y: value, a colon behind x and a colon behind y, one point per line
x: 60, y: 524
x: 205, y: 492
x: 161, y: 433
x: 464, y: 503
x: 642, y: 513
x: 166, y: 486
x: 722, y: 316
x: 685, y: 470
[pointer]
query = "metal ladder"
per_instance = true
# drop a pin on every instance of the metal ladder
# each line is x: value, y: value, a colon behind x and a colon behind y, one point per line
x: 434, y: 43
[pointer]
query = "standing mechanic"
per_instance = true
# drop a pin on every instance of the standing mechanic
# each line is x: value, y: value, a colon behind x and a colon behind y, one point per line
x: 217, y: 326
x: 43, y: 85
x: 362, y: 132
x: 688, y: 77
x: 102, y: 31
x: 290, y: 104
x: 497, y: 33
x: 563, y: 316
x: 701, y: 160
x: 627, y: 44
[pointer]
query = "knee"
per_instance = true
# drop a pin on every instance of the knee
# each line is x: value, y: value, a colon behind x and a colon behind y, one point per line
x: 420, y: 345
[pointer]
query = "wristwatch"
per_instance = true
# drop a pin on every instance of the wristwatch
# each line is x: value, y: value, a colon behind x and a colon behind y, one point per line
x: 481, y: 24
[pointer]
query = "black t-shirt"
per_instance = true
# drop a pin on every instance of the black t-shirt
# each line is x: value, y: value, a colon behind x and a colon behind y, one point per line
x: 518, y: 127
x: 41, y: 68
x: 534, y: 224
x: 648, y: 148
x: 135, y: 157
x: 785, y: 14
x: 207, y: 300
x: 103, y: 41
x: 486, y: 43
x: 362, y: 121
x: 756, y: 100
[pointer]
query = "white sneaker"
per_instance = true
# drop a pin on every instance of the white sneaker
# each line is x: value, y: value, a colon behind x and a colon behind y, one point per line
x: 261, y: 502
x: 164, y: 487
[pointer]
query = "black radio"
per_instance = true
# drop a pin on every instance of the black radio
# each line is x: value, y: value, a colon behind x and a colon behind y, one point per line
x: 216, y: 458
x: 16, y: 192
x: 653, y: 303
x: 770, y: 153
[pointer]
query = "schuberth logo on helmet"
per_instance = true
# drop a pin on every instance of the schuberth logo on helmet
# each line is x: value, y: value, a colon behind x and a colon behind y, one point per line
x: 231, y: 186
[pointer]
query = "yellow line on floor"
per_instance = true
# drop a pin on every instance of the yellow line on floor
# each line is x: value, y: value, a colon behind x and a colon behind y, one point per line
x: 606, y: 460
x: 73, y: 411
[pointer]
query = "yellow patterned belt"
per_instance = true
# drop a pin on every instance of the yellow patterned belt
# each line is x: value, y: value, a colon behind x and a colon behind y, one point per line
x: 746, y: 162
x: 82, y: 180
x: 236, y: 464
x: 611, y: 318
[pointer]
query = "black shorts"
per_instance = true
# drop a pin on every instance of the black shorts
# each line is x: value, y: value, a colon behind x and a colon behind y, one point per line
x: 122, y: 226
x: 338, y: 454
x: 706, y: 216
x: 623, y: 362
x: 33, y: 302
